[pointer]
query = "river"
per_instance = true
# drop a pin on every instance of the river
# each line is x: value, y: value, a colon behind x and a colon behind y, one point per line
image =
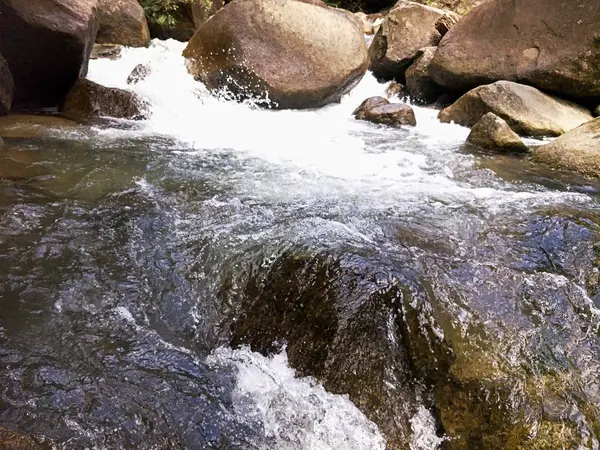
x: 224, y: 276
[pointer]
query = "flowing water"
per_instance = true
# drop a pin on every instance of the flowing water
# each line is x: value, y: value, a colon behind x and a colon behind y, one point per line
x: 223, y: 276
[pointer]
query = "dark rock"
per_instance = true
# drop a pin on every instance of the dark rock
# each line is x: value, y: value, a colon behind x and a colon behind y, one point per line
x: 395, y: 89
x: 294, y: 54
x: 493, y: 133
x: 420, y: 87
x: 446, y: 22
x: 139, y: 73
x: 47, y: 45
x: 407, y: 28
x: 597, y: 111
x: 394, y: 114
x: 7, y: 87
x: 527, y: 110
x: 88, y: 100
x: 122, y: 22
x: 548, y: 44
x: 106, y: 51
x: 577, y: 151
x: 368, y: 104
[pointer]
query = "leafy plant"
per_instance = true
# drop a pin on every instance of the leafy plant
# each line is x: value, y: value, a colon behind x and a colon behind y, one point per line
x: 163, y: 12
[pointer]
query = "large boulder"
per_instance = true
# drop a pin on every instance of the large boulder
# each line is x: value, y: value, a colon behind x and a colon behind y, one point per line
x: 47, y: 45
x: 7, y: 87
x: 493, y: 133
x: 527, y: 110
x: 407, y: 28
x: 88, y: 100
x: 419, y: 85
x: 578, y: 150
x: 122, y: 22
x: 295, y: 54
x: 550, y: 44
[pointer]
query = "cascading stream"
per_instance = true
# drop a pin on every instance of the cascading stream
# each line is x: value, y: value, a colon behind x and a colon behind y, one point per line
x: 133, y: 257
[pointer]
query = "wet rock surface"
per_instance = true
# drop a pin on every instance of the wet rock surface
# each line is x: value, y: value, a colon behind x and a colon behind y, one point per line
x: 7, y: 87
x: 88, y: 100
x: 240, y: 50
x: 528, y: 111
x: 420, y: 87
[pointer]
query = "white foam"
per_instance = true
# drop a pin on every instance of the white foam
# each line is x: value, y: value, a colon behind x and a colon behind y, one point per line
x: 296, y: 413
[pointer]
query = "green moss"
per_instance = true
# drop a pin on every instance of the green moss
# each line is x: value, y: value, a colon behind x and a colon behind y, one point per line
x: 163, y: 12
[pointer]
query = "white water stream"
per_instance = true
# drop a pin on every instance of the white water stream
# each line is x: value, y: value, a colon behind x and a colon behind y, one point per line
x: 307, y: 157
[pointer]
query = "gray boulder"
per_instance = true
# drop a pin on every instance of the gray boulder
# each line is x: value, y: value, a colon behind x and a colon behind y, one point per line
x: 577, y: 151
x: 493, y: 133
x: 528, y: 111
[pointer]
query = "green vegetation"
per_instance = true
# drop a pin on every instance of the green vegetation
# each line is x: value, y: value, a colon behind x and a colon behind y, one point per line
x: 163, y: 12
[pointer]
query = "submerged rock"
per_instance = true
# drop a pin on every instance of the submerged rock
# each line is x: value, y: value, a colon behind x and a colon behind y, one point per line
x: 122, y: 22
x: 578, y: 150
x: 7, y: 87
x: 289, y: 53
x: 88, y: 100
x: 139, y: 73
x: 549, y: 44
x: 493, y: 133
x: 406, y: 29
x: 527, y: 110
x: 11, y: 440
x: 106, y: 51
x: 33, y: 126
x: 420, y: 87
x: 47, y: 45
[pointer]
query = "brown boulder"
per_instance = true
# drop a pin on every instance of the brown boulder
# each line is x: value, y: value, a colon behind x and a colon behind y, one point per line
x: 407, y: 28
x: 493, y: 133
x: 527, y: 110
x: 550, y: 44
x: 47, y: 45
x: 419, y: 85
x: 298, y: 55
x: 122, y: 22
x: 393, y: 114
x: 7, y: 87
x: 88, y: 100
x: 370, y: 103
x: 578, y: 150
